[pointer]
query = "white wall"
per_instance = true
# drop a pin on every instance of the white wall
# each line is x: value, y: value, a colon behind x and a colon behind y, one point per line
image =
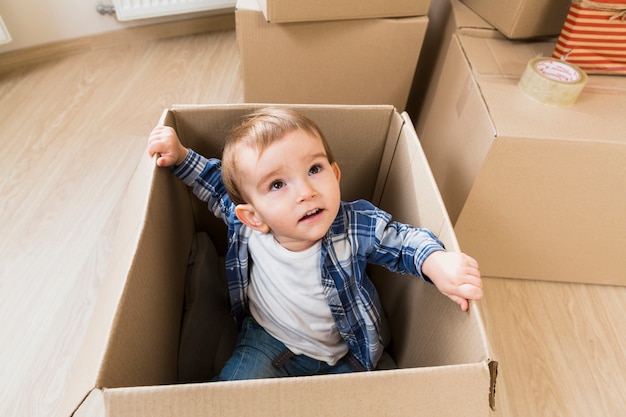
x: 37, y: 22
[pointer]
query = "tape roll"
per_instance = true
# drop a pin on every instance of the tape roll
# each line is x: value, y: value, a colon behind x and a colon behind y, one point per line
x: 552, y: 81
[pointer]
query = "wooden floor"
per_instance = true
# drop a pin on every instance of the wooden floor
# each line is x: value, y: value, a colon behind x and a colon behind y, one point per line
x: 561, y: 348
x: 72, y: 132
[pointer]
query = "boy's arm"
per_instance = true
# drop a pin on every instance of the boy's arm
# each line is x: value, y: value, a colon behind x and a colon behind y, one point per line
x: 203, y: 175
x: 404, y: 248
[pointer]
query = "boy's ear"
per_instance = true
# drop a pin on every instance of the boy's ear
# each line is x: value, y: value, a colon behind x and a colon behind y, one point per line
x: 248, y: 216
x: 337, y: 171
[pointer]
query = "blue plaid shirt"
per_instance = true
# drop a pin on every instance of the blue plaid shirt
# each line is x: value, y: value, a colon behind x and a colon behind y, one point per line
x: 361, y: 234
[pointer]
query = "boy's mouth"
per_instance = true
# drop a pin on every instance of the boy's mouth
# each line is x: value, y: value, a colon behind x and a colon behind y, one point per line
x: 311, y: 213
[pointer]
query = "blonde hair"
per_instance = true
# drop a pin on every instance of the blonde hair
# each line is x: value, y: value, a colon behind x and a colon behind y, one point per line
x: 258, y: 131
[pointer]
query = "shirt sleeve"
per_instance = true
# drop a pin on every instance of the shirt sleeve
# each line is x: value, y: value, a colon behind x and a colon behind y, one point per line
x: 204, y: 175
x: 399, y: 247
x: 404, y: 248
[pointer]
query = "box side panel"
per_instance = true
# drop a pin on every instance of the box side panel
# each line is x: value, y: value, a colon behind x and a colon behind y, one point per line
x: 368, y: 61
x: 456, y: 130
x: 90, y: 358
x: 416, y: 311
x: 394, y: 131
x: 445, y: 392
x: 545, y: 209
x: 281, y: 11
x: 428, y: 203
x: 143, y: 344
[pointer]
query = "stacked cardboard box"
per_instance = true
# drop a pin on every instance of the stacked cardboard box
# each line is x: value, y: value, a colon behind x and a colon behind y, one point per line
x: 523, y: 19
x: 128, y: 363
x: 534, y: 191
x: 330, y: 52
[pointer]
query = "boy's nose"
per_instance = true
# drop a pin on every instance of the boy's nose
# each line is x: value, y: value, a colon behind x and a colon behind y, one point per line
x: 306, y: 191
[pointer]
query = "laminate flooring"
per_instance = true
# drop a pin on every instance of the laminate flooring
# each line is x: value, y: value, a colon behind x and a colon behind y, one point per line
x: 561, y: 347
x: 72, y: 132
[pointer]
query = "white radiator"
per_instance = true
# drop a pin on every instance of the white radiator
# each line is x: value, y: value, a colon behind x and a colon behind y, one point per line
x: 141, y: 9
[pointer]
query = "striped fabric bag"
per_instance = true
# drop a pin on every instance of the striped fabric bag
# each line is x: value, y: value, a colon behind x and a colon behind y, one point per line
x: 594, y: 36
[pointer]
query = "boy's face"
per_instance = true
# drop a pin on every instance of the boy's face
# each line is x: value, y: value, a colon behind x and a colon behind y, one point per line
x: 291, y: 188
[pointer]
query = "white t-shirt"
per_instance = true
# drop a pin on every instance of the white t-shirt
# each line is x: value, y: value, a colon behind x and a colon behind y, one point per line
x: 287, y: 299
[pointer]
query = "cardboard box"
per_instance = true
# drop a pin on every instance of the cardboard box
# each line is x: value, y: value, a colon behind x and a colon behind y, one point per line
x: 444, y: 19
x: 459, y: 17
x: 534, y: 191
x: 521, y: 19
x: 127, y: 364
x: 367, y: 61
x: 283, y: 11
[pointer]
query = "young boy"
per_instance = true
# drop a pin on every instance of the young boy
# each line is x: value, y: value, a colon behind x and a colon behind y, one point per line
x: 297, y: 254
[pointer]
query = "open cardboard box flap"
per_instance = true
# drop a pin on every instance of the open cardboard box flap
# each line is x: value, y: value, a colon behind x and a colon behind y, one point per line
x: 128, y: 362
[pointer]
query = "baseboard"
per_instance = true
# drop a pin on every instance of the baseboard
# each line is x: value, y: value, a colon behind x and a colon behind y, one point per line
x: 41, y: 53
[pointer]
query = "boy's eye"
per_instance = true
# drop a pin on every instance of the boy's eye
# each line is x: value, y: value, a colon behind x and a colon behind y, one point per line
x: 276, y: 185
x: 315, y: 169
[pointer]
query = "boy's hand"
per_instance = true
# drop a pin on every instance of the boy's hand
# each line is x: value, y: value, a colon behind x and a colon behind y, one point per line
x: 163, y: 140
x: 455, y: 275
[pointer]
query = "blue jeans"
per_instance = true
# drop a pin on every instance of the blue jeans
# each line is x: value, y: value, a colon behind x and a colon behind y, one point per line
x: 259, y: 355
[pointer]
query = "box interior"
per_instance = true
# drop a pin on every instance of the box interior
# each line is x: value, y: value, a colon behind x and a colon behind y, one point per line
x: 366, y: 174
x: 381, y: 160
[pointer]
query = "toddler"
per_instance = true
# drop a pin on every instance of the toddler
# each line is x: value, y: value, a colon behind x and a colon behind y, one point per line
x: 297, y: 254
